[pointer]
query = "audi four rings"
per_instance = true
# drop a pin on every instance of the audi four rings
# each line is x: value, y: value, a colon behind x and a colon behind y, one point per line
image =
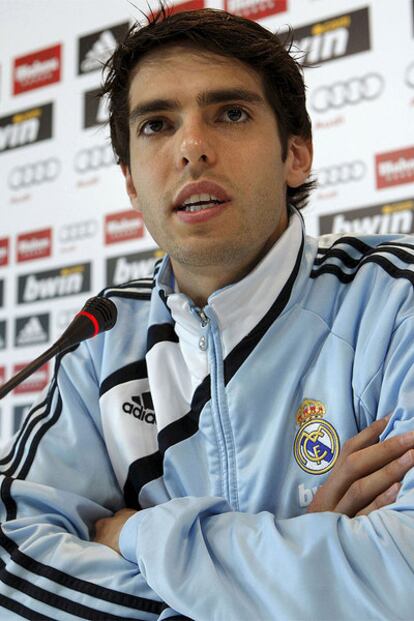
x: 94, y: 158
x: 34, y: 173
x: 341, y: 173
x: 347, y: 92
x: 78, y: 231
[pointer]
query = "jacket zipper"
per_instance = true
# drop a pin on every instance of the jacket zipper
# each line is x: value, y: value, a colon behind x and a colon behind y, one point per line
x: 219, y: 405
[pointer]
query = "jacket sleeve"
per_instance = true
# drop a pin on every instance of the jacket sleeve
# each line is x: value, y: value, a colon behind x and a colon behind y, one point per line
x: 56, y: 481
x: 212, y: 563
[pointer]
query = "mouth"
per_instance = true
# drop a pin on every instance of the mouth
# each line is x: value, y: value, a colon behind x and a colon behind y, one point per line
x: 199, y: 202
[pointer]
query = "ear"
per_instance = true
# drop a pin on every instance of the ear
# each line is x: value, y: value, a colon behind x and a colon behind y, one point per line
x: 129, y: 184
x: 299, y: 160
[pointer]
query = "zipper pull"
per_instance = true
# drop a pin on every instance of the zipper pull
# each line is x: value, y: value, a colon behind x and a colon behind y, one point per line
x: 203, y: 317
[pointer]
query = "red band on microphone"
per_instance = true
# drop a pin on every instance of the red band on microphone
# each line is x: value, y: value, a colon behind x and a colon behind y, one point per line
x: 93, y: 319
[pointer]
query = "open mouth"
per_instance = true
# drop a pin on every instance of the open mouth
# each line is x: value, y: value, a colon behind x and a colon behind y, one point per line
x: 199, y: 206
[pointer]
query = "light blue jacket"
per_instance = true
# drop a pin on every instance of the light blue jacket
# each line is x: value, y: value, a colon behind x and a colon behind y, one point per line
x: 220, y: 424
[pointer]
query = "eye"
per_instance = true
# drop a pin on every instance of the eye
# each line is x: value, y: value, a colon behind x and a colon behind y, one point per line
x: 235, y: 114
x: 154, y: 126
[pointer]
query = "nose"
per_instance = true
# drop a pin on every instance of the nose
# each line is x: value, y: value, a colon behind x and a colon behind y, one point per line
x: 194, y: 149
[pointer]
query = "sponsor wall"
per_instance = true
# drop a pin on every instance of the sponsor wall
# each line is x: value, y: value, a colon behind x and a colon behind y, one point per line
x: 66, y: 229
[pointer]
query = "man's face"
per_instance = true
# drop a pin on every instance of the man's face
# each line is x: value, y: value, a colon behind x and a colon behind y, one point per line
x: 206, y: 167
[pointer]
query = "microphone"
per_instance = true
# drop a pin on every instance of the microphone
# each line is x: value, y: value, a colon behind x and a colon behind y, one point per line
x: 98, y: 315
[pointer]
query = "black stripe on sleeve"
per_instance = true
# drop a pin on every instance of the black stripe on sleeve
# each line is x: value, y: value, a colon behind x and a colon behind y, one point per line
x: 8, y: 500
x: 22, y: 430
x: 21, y: 610
x: 77, y: 584
x: 347, y: 260
x: 52, y: 599
x: 134, y: 370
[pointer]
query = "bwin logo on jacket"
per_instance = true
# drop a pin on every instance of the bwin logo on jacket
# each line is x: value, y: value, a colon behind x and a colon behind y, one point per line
x: 141, y: 407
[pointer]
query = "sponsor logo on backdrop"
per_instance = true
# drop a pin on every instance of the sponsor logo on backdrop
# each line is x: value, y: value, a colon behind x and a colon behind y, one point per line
x: 19, y: 414
x: 34, y: 173
x: 126, y: 267
x: 34, y: 245
x: 36, y: 382
x: 37, y: 69
x: 191, y: 5
x: 74, y: 232
x: 2, y: 375
x: 123, y: 225
x: 349, y: 92
x: 95, y: 48
x: 95, y: 109
x: 394, y: 167
x: 2, y: 334
x: 255, y: 9
x: 56, y: 283
x: 1, y: 293
x: 396, y: 217
x: 31, y: 330
x: 345, y: 172
x: 94, y: 158
x: 4, y: 251
x: 329, y: 39
x: 26, y: 127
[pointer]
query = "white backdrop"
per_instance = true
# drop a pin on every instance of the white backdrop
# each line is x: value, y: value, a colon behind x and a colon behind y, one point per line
x: 66, y: 230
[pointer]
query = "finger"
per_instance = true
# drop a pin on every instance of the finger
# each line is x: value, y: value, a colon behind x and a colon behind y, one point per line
x: 366, y: 437
x: 383, y: 500
x: 366, y: 461
x: 362, y: 492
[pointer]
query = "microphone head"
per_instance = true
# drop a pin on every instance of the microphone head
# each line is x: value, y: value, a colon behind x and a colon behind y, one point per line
x: 103, y: 310
x: 98, y: 315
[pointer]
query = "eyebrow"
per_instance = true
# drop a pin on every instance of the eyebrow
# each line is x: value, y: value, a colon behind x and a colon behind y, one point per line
x: 204, y: 99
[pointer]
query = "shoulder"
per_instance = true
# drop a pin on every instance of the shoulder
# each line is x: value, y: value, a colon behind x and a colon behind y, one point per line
x: 344, y: 257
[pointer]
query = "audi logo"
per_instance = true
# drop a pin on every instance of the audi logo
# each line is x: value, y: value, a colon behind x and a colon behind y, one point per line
x: 409, y: 75
x: 34, y: 173
x: 341, y: 173
x: 349, y: 92
x: 94, y: 158
x: 77, y: 231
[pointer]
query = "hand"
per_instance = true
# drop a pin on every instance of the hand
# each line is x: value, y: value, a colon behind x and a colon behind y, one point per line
x: 107, y: 530
x: 367, y: 473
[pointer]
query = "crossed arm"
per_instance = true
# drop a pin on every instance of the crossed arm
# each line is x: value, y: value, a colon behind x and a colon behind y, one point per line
x: 367, y: 476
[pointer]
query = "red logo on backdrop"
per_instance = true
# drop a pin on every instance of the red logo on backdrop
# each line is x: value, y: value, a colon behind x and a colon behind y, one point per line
x: 34, y: 245
x: 2, y: 375
x: 255, y: 9
x: 37, y: 69
x: 4, y: 251
x: 191, y: 5
x: 394, y: 167
x: 122, y: 226
x: 36, y: 382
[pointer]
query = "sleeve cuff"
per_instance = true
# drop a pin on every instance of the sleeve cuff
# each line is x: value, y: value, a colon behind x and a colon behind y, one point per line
x: 128, y: 537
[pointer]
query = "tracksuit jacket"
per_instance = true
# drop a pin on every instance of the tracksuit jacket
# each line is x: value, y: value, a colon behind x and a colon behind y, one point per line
x: 219, y: 424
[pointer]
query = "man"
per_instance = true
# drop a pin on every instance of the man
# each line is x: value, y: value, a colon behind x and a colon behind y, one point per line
x: 193, y: 437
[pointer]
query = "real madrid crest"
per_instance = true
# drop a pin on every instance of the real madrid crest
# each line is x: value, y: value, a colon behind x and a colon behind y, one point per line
x: 316, y: 446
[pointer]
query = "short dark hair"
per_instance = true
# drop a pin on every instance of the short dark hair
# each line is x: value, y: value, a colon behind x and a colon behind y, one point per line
x: 228, y: 35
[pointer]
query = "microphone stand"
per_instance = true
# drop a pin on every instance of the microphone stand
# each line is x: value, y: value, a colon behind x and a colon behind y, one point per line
x: 29, y: 369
